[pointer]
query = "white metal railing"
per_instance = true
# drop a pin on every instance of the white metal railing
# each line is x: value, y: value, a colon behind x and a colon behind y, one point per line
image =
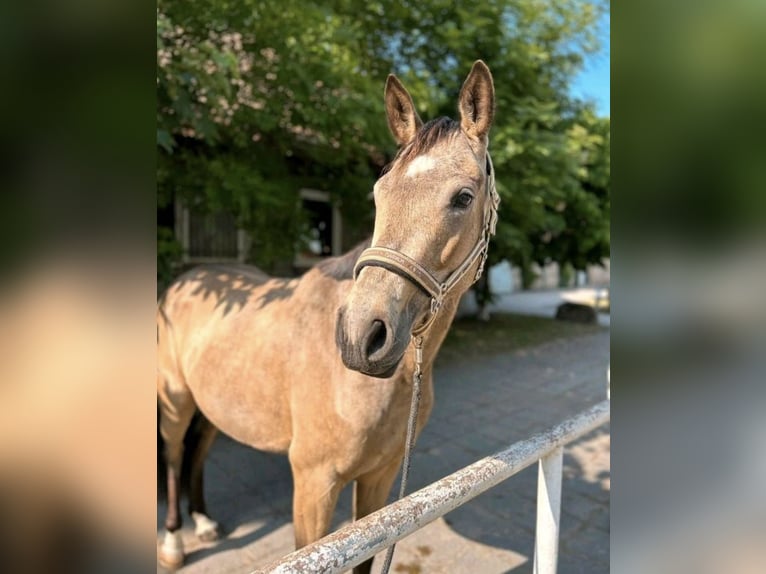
x: 364, y: 538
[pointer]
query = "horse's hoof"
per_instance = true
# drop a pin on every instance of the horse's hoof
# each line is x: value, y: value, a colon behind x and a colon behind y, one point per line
x: 171, y: 553
x: 169, y: 562
x: 206, y: 529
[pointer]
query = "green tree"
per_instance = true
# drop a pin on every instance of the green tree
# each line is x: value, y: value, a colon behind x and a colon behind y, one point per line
x: 555, y: 188
x: 259, y: 99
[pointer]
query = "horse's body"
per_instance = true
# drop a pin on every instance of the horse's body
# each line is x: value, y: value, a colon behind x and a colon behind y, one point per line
x: 262, y: 369
x: 259, y: 356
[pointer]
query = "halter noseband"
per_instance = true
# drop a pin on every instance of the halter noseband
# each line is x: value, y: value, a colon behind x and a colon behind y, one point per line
x: 401, y: 264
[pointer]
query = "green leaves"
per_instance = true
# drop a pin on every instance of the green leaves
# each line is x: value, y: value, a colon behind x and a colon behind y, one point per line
x: 259, y: 99
x: 165, y: 140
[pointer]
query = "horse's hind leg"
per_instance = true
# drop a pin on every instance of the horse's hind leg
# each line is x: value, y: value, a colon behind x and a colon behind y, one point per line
x: 205, y: 528
x: 176, y: 411
x: 370, y: 494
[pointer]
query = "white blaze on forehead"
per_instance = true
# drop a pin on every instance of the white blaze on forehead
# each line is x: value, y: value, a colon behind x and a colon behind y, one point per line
x: 420, y: 164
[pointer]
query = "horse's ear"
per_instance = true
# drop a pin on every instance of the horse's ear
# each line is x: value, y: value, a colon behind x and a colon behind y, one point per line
x: 477, y: 102
x: 403, y: 120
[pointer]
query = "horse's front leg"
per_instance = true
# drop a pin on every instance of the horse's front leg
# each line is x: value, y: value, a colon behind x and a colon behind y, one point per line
x: 316, y: 490
x: 370, y: 494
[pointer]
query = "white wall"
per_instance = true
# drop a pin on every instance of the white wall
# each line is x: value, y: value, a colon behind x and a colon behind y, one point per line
x: 505, y: 279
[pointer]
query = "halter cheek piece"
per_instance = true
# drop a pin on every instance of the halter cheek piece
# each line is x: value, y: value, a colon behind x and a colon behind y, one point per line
x: 401, y: 264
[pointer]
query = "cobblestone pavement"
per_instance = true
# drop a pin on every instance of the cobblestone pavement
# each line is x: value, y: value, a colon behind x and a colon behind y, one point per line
x: 480, y: 408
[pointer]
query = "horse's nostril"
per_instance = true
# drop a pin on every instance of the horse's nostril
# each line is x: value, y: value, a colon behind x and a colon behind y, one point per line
x: 376, y: 339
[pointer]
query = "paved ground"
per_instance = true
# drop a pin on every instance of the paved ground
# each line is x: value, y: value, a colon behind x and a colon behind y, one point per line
x: 480, y: 409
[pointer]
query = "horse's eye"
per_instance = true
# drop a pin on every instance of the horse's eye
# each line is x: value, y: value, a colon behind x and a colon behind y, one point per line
x: 462, y: 199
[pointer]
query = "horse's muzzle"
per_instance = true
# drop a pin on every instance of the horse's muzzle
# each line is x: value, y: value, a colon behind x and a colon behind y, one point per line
x: 371, y: 347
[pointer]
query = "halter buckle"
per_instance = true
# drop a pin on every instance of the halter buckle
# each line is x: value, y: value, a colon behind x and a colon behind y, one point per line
x: 436, y: 303
x: 482, y: 262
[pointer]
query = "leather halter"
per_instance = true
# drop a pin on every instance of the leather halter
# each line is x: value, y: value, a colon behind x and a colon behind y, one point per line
x: 401, y: 264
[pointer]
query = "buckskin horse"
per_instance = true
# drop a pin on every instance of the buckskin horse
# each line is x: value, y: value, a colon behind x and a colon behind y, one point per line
x: 320, y: 367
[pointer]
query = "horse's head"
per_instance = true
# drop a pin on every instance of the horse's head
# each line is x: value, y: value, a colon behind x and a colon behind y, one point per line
x: 432, y: 210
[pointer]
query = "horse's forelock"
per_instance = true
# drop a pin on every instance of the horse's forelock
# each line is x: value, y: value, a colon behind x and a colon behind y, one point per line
x: 428, y: 136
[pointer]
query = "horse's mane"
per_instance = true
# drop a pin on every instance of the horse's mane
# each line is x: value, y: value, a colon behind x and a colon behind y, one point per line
x: 342, y: 266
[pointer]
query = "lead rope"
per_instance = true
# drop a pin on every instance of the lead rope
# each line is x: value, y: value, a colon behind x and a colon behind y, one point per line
x: 417, y: 377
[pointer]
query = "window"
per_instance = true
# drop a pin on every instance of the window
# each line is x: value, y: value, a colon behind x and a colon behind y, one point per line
x: 322, y: 236
x: 209, y: 237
